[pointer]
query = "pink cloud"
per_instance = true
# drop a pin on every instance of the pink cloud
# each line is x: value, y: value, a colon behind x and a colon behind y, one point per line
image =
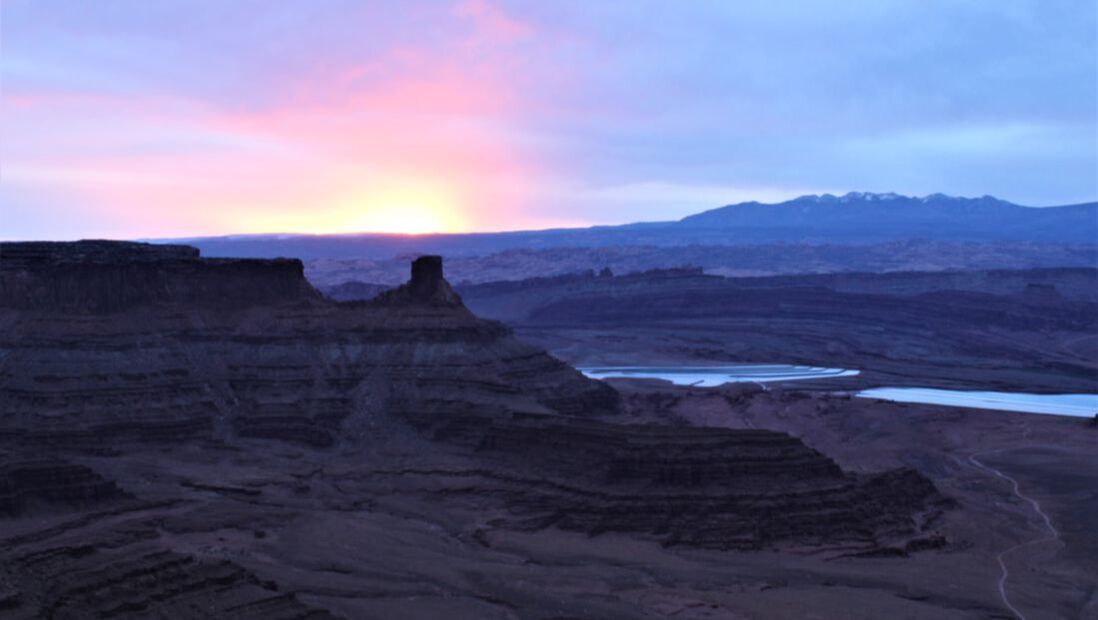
x: 303, y: 163
x: 438, y: 122
x: 492, y: 24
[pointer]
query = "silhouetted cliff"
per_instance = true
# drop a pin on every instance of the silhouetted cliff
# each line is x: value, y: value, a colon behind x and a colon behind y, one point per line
x: 108, y: 276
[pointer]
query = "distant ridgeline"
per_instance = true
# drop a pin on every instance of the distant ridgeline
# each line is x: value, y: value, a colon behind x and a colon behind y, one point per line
x: 859, y: 217
x: 854, y: 218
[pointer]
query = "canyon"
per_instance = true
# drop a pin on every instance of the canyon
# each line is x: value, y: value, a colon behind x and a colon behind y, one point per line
x: 173, y: 425
x: 1027, y: 330
x: 752, y: 260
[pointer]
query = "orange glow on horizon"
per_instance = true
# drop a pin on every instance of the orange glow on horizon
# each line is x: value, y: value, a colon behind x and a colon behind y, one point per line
x: 412, y: 139
x: 412, y: 207
x: 407, y: 208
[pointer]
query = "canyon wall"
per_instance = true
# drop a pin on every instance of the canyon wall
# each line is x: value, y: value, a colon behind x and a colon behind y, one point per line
x: 193, y: 438
x: 149, y: 343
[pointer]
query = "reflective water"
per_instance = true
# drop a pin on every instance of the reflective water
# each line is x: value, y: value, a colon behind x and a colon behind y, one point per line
x: 1083, y: 405
x: 717, y: 375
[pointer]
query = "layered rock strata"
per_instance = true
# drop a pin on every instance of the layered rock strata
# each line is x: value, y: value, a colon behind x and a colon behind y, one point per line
x: 44, y: 484
x: 146, y: 380
x: 157, y: 344
x: 90, y: 581
x: 691, y: 486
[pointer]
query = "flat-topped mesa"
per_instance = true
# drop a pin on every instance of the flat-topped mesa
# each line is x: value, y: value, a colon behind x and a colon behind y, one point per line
x: 95, y: 277
x: 89, y: 250
x: 138, y: 344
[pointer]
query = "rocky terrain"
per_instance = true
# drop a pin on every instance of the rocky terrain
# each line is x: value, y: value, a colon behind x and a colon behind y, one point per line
x: 1015, y: 330
x: 190, y: 437
x: 856, y: 232
x: 1027, y: 484
x: 1022, y: 330
x: 742, y: 260
x: 170, y: 347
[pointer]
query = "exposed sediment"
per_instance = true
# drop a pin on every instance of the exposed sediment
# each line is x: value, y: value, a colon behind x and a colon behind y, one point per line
x: 153, y: 379
x: 701, y: 487
x: 46, y: 484
x: 172, y: 347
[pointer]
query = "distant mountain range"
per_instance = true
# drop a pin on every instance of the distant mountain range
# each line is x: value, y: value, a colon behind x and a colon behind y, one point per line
x: 854, y: 218
x: 859, y: 217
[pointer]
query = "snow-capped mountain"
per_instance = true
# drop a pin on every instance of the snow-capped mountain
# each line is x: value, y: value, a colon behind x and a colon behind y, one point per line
x: 858, y: 217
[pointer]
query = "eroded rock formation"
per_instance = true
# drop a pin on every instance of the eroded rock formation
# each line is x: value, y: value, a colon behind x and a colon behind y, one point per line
x: 155, y: 344
x: 701, y: 487
x: 30, y: 484
x: 149, y: 384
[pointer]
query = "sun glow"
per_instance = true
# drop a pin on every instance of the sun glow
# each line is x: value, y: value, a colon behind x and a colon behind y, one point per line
x: 407, y: 208
x: 412, y: 209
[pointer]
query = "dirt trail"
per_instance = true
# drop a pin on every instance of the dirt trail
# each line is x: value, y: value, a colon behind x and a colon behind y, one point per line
x: 1054, y: 534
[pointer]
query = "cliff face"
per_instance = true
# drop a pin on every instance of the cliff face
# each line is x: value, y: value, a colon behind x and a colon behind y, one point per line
x: 143, y: 388
x: 1020, y: 331
x: 150, y: 343
x: 699, y: 487
x: 102, y: 277
x: 28, y: 484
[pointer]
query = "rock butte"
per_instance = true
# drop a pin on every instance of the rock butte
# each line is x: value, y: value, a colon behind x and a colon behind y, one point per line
x: 155, y: 343
x: 108, y: 349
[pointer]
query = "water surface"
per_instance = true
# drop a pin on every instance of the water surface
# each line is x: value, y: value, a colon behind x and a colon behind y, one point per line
x: 710, y: 376
x: 1082, y: 405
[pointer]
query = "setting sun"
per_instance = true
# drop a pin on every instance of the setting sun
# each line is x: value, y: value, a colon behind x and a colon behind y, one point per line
x: 406, y: 209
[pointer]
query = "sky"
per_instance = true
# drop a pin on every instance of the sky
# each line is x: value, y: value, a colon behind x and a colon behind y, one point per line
x: 154, y: 119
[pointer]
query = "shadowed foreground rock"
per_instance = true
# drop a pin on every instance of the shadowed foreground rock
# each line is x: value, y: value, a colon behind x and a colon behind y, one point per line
x: 702, y: 487
x: 171, y: 347
x: 30, y: 484
x: 203, y: 427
